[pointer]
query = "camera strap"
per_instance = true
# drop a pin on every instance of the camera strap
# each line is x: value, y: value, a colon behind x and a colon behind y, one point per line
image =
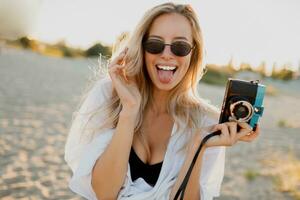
x: 184, y: 183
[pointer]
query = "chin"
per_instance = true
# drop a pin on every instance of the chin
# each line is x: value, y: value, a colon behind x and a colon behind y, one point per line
x: 165, y: 87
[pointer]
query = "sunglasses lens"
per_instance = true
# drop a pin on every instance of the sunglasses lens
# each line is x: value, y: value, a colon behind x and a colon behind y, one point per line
x: 154, y: 47
x: 180, y: 48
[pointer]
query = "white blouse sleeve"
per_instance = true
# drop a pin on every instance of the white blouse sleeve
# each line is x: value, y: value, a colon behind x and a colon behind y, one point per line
x: 212, y: 171
x: 82, y: 150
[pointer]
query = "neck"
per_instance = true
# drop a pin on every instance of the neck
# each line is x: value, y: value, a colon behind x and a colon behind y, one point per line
x: 159, y: 104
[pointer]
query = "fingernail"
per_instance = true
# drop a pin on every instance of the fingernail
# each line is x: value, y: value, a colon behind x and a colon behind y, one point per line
x: 249, y: 126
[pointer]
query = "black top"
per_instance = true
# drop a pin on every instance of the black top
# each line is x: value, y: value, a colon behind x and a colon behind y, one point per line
x: 139, y: 169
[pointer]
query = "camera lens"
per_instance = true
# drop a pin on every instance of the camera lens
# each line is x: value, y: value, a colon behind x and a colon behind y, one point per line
x: 241, y: 111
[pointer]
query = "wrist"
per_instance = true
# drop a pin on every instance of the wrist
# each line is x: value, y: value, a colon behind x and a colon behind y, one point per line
x: 128, y: 114
x: 197, y: 141
x: 130, y: 110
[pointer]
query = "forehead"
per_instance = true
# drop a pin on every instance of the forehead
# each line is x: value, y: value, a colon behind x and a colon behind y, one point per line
x: 171, y: 25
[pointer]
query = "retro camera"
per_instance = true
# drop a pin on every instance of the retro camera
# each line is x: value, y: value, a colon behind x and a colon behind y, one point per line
x: 243, y: 102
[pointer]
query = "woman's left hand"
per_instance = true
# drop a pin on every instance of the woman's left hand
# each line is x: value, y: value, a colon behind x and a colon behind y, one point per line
x: 230, y: 134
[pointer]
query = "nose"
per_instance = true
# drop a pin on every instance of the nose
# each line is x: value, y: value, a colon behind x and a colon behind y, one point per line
x: 167, y: 53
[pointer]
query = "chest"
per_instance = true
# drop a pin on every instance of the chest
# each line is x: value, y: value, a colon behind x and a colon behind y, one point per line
x: 150, y: 143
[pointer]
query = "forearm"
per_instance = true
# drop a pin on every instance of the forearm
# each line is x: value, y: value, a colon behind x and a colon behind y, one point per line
x: 110, y: 169
x: 192, y: 191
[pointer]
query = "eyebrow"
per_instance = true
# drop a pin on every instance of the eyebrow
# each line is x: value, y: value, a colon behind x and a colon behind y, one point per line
x: 156, y: 36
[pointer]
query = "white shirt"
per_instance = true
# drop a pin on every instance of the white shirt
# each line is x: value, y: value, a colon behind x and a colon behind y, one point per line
x: 82, y: 153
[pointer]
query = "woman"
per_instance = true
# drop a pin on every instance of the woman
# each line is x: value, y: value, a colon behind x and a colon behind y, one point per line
x: 137, y: 131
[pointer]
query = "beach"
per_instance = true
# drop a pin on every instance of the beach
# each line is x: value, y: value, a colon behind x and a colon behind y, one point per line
x: 38, y: 95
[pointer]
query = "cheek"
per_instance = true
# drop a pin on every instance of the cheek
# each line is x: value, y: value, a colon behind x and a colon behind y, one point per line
x: 147, y: 67
x: 148, y: 60
x: 185, y: 63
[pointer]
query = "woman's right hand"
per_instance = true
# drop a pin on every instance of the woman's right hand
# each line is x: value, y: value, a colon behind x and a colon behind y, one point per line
x: 125, y: 87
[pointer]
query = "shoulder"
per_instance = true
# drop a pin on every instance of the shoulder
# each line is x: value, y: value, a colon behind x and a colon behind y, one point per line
x: 102, y: 87
x: 209, y: 113
x: 97, y: 94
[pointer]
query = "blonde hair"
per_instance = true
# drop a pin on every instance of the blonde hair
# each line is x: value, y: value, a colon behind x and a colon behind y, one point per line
x: 184, y: 104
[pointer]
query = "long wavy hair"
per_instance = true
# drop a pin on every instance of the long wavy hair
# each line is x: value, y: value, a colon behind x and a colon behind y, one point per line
x: 184, y: 104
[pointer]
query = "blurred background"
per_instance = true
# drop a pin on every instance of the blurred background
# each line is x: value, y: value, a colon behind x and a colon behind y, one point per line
x: 49, y: 56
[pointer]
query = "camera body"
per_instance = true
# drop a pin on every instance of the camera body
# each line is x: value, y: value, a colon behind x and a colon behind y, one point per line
x: 243, y: 102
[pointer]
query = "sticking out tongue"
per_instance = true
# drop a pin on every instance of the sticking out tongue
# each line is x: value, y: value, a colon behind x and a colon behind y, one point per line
x: 165, y: 76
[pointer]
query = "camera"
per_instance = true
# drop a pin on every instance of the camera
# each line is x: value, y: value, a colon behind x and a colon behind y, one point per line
x: 243, y: 102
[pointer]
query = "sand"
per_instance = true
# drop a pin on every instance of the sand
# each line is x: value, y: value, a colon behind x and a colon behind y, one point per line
x: 38, y: 95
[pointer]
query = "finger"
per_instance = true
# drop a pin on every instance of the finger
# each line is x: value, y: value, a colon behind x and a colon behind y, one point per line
x: 126, y: 49
x: 124, y: 76
x: 116, y: 69
x: 225, y: 135
x: 246, y: 129
x: 214, y: 141
x: 250, y: 137
x: 232, y: 131
x: 221, y: 127
x: 243, y: 132
x: 124, y: 52
x: 118, y: 59
x: 116, y: 72
x: 118, y: 77
x: 245, y: 125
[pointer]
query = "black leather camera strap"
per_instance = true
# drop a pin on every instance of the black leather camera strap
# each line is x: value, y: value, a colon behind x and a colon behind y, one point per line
x: 184, y: 183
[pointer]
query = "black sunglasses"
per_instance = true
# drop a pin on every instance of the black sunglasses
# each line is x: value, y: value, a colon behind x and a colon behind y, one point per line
x: 178, y: 48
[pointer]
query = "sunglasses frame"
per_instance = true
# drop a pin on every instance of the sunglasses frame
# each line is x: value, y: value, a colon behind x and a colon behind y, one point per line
x: 167, y: 44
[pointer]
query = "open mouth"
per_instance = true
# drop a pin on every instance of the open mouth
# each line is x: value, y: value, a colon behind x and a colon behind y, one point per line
x: 165, y: 72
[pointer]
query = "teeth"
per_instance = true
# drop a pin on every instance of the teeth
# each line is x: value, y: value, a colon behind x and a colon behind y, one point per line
x: 164, y: 67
